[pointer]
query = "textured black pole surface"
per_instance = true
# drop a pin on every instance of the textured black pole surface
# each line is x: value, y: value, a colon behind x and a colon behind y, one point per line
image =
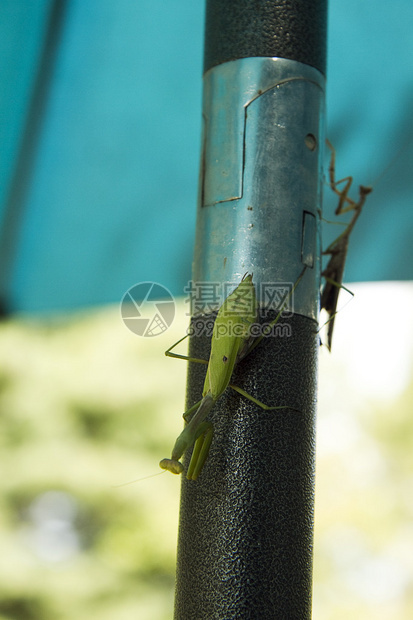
x: 293, y: 29
x: 246, y: 525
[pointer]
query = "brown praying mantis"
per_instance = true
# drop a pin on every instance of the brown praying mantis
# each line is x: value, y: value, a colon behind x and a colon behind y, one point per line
x: 334, y: 272
x: 231, y: 342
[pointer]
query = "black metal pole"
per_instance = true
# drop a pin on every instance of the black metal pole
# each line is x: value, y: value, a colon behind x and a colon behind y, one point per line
x: 246, y: 525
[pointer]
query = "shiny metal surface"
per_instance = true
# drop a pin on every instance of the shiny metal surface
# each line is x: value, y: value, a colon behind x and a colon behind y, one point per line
x: 261, y: 172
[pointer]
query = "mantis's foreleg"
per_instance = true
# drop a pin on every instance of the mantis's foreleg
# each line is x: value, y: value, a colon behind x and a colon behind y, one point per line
x: 333, y: 183
x: 343, y: 195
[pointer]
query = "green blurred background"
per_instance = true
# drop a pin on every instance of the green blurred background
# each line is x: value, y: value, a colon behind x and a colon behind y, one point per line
x: 86, y: 405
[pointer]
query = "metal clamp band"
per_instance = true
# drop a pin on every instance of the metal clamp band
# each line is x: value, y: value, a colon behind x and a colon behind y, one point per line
x: 260, y: 189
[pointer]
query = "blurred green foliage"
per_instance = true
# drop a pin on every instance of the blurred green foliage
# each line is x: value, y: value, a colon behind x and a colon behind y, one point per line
x: 86, y: 405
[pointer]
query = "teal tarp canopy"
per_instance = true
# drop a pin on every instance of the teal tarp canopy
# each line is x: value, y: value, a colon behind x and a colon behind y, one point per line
x: 100, y: 110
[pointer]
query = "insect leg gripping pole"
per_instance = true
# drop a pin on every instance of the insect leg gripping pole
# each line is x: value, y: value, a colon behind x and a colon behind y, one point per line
x: 246, y: 524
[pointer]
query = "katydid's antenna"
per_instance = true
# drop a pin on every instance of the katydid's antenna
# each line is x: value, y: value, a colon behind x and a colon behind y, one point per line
x: 125, y: 484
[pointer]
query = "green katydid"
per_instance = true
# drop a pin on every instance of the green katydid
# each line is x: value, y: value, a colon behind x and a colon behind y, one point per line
x: 231, y: 341
x: 334, y: 272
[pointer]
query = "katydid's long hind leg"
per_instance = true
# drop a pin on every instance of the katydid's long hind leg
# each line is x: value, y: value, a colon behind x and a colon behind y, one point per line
x: 173, y: 464
x: 258, y: 402
x: 183, y: 357
x: 201, y: 438
x: 200, y: 451
x: 194, y: 429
